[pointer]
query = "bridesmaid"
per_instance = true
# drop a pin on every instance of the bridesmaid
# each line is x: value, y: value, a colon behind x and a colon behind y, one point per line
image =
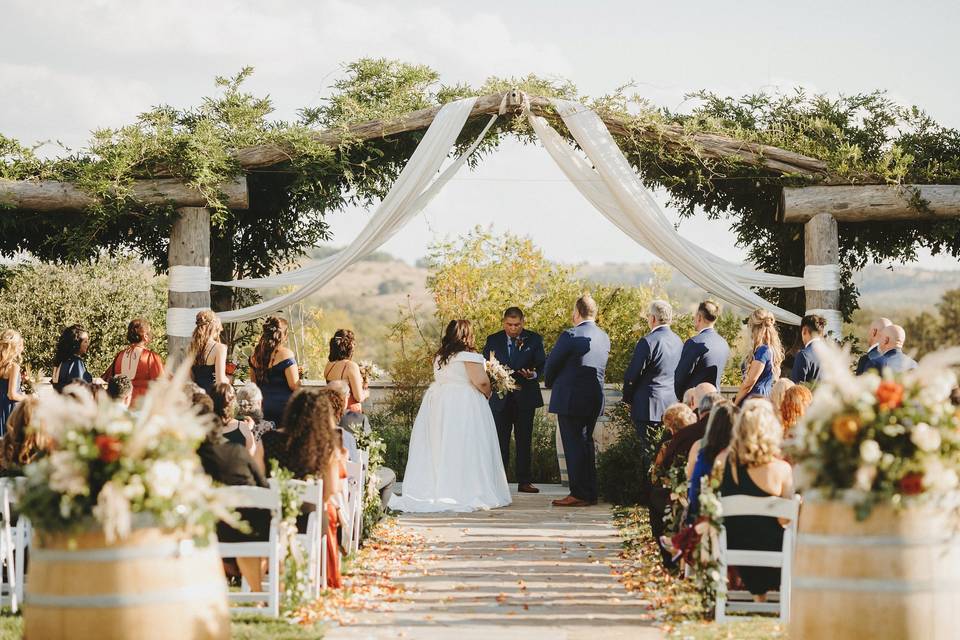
x: 763, y: 364
x: 137, y: 362
x: 340, y: 366
x: 274, y: 369
x: 208, y: 353
x: 68, y: 364
x: 11, y: 351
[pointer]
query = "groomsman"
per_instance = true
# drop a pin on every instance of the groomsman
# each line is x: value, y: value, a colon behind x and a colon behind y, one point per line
x: 522, y: 351
x: 705, y: 355
x: 575, y: 372
x: 876, y: 327
x: 806, y: 364
x: 891, y: 351
x: 648, y: 384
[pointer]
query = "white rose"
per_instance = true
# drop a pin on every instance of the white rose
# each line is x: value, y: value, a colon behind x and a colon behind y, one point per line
x: 863, y: 479
x: 938, y: 477
x: 870, y: 452
x: 925, y: 437
x: 163, y: 478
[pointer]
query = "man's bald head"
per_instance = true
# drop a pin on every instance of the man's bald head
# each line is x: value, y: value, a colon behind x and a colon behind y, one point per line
x: 876, y: 327
x: 700, y: 391
x: 892, y: 337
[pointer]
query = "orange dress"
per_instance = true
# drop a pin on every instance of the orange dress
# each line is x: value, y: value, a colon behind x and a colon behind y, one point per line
x: 333, y: 550
x: 145, y: 370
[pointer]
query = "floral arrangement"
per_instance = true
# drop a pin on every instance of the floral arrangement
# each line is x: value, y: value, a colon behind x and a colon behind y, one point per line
x: 501, y: 377
x: 112, y: 469
x: 372, y: 505
x: 370, y: 371
x: 881, y: 439
x: 29, y: 380
x: 296, y: 575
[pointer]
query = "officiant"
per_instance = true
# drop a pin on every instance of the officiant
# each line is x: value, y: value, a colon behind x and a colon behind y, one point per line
x: 522, y: 351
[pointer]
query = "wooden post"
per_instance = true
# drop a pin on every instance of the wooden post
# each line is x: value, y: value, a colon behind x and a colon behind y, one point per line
x: 821, y: 251
x: 189, y: 274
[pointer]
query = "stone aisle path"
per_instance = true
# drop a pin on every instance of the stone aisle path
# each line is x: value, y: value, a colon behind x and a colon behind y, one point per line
x: 526, y: 571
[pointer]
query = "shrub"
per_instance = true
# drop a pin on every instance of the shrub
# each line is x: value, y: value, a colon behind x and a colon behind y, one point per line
x: 395, y: 435
x: 622, y: 468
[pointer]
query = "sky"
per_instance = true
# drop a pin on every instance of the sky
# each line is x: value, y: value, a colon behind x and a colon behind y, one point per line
x: 69, y: 67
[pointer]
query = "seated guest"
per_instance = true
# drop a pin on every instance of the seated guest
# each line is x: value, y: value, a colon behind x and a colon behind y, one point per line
x: 891, y: 355
x: 342, y: 367
x: 230, y: 463
x: 675, y: 417
x: 140, y: 365
x: 873, y: 338
x: 777, y: 391
x: 24, y: 442
x: 678, y: 448
x: 120, y: 389
x: 68, y: 364
x: 806, y: 364
x: 689, y: 398
x: 794, y: 405
x: 274, y: 369
x: 753, y: 468
x: 224, y: 407
x: 766, y: 356
x: 250, y: 410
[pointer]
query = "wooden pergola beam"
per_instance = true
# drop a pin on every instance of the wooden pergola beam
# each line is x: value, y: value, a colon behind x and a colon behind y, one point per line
x: 49, y: 195
x: 870, y: 202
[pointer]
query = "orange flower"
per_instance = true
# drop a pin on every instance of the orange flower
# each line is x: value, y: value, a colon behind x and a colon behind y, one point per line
x: 109, y: 448
x: 846, y: 427
x: 889, y: 395
x: 911, y: 484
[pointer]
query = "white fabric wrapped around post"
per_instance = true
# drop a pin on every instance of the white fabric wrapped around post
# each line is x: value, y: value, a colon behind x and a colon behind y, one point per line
x: 821, y: 253
x: 186, y: 278
x: 834, y: 320
x: 188, y: 290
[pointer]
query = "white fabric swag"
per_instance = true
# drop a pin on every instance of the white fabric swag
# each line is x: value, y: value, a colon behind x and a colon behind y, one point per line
x: 607, y: 181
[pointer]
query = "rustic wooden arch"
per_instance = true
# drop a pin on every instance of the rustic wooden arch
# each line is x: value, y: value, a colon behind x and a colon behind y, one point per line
x: 819, y: 208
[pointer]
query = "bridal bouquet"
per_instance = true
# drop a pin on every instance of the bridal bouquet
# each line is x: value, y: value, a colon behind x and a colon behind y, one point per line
x: 114, y: 469
x: 501, y: 377
x: 883, y: 439
x: 370, y: 371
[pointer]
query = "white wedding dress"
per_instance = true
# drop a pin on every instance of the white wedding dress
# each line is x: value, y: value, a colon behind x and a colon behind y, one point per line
x: 454, y: 462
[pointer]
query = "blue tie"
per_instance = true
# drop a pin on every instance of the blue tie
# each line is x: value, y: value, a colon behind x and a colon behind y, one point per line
x: 510, y: 348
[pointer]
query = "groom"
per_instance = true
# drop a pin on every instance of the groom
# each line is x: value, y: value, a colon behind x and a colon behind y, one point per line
x: 575, y: 371
x: 522, y: 351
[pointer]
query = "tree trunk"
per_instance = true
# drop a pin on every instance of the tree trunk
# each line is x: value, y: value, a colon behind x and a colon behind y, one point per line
x: 189, y: 247
x: 821, y: 251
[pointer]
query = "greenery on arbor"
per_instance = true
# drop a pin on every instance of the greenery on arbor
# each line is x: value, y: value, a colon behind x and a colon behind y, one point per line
x: 862, y: 138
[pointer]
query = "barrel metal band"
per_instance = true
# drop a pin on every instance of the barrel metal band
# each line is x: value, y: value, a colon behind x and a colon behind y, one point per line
x: 875, y: 585
x: 160, y: 550
x: 825, y: 540
x: 112, y: 600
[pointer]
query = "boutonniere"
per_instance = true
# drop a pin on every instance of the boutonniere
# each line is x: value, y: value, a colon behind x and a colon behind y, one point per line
x: 519, y: 343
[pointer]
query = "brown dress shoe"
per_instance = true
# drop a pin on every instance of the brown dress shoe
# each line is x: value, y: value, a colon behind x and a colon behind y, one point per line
x: 528, y: 488
x: 570, y: 501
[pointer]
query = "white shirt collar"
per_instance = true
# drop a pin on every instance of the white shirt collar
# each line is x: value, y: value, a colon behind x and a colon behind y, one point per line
x: 705, y: 329
x: 582, y: 322
x: 810, y: 341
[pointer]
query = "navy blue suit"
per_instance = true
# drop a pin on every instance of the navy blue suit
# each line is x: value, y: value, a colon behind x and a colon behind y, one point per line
x: 514, y: 412
x: 648, y: 384
x: 703, y: 359
x: 864, y: 364
x: 575, y: 373
x: 806, y: 365
x: 895, y: 360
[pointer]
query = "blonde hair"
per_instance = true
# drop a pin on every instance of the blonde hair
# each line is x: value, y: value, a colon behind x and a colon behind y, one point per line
x: 208, y: 328
x: 677, y: 416
x: 763, y: 330
x: 11, y: 348
x: 778, y: 391
x: 757, y: 434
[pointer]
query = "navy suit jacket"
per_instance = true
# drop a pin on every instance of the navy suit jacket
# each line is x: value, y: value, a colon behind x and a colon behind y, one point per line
x: 649, y: 382
x: 703, y: 359
x: 866, y: 360
x: 530, y: 355
x: 575, y: 371
x: 806, y: 365
x: 895, y: 360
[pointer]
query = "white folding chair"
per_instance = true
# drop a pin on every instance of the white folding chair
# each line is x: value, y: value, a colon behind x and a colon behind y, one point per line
x: 358, y: 514
x: 10, y: 592
x: 241, y: 497
x: 352, y: 506
x: 740, y: 601
x: 314, y: 540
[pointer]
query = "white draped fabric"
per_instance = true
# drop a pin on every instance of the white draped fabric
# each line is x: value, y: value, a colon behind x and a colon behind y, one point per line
x: 607, y: 181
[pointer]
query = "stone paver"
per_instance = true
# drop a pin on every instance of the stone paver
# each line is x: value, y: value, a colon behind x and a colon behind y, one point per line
x: 526, y: 571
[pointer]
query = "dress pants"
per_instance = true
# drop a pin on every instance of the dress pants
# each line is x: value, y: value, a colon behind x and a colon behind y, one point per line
x: 576, y: 433
x: 511, y: 418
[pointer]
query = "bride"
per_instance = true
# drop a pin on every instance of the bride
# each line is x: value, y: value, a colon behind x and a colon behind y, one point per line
x: 454, y: 462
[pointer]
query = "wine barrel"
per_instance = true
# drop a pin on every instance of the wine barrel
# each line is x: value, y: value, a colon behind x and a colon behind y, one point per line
x: 895, y: 575
x: 152, y: 585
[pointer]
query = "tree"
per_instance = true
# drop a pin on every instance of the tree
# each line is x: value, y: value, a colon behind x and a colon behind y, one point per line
x: 39, y: 299
x: 949, y: 309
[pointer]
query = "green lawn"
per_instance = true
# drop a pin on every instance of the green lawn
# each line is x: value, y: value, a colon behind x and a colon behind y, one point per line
x: 751, y: 628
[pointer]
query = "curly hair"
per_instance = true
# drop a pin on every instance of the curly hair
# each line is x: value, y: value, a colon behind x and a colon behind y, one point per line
x: 457, y: 337
x: 274, y: 335
x: 224, y: 401
x: 23, y: 442
x: 208, y: 328
x: 68, y: 346
x: 677, y: 416
x: 310, y: 423
x: 139, y: 330
x: 342, y: 345
x: 757, y: 434
x: 763, y: 331
x: 11, y: 349
x: 794, y: 405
